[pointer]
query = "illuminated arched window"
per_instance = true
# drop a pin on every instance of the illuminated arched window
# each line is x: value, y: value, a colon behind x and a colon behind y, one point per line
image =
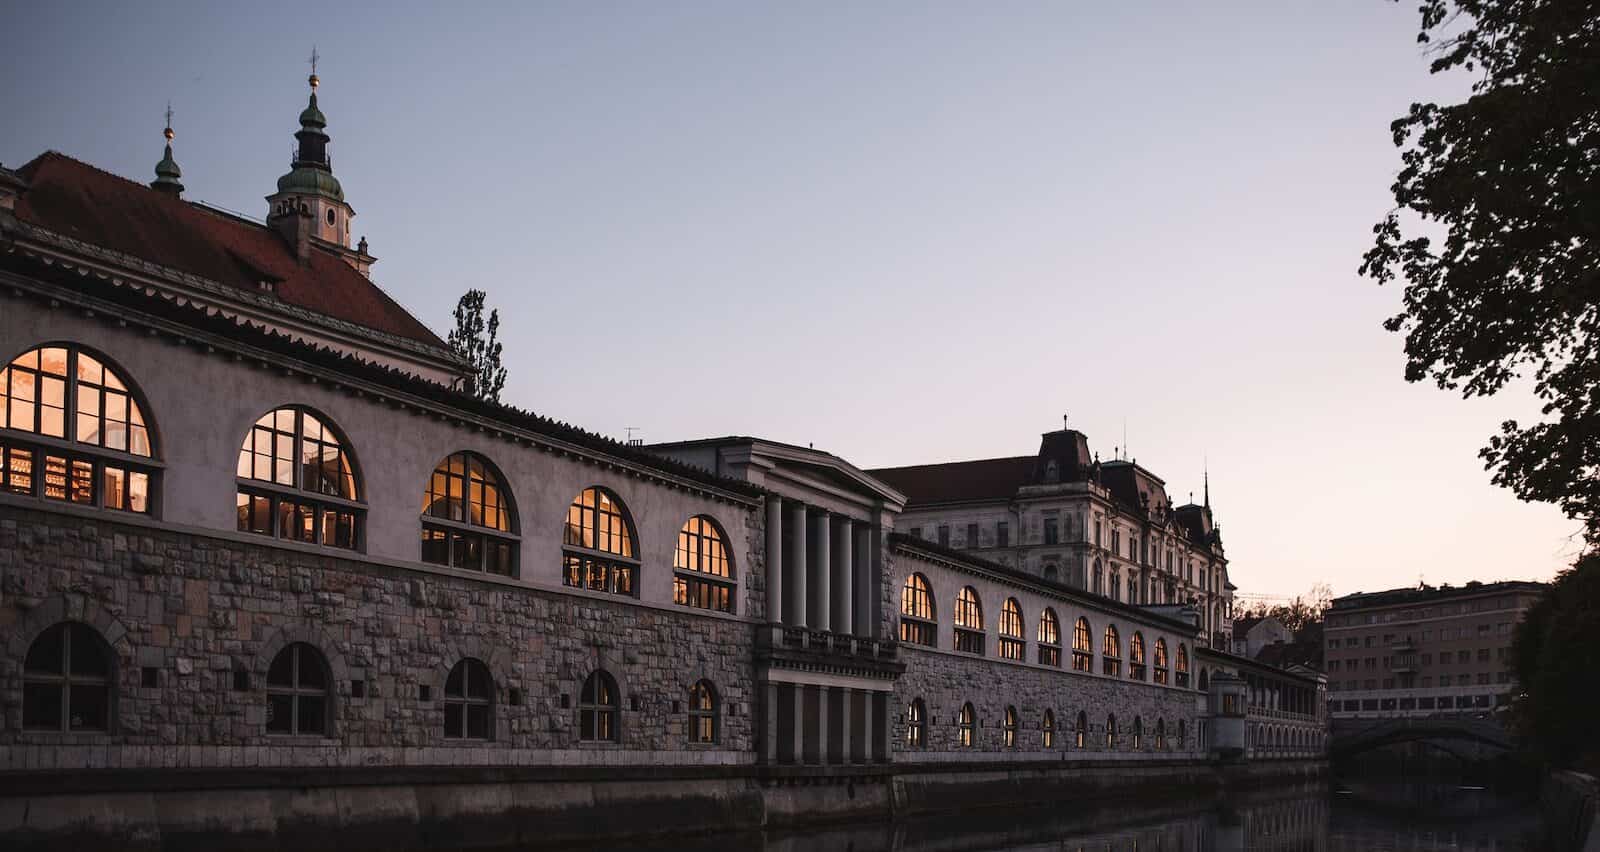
x: 467, y: 518
x: 68, y: 680
x: 1111, y: 730
x: 1161, y: 660
x: 1009, y: 730
x: 598, y: 709
x: 1183, y: 665
x: 469, y: 701
x: 916, y: 612
x: 1080, y: 731
x: 1161, y: 735
x: 298, y: 686
x: 296, y: 481
x: 703, y: 573
x: 969, y: 621
x: 1047, y: 730
x: 1136, y: 656
x: 965, y: 722
x: 704, y: 724
x: 1111, y: 652
x: 1082, y: 646
x: 1049, y: 638
x: 64, y: 393
x: 599, y: 552
x: 1138, y: 733
x: 1011, y: 630
x: 916, y: 721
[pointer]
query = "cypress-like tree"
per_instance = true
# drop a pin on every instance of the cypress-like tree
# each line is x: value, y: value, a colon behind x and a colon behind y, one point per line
x: 476, y: 341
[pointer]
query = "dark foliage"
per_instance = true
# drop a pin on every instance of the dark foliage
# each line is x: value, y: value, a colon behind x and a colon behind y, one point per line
x: 1509, y: 181
x: 1556, y: 651
x: 477, y: 342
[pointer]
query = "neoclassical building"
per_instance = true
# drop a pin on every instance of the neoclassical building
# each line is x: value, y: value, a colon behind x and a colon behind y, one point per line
x: 255, y: 549
x: 1108, y: 528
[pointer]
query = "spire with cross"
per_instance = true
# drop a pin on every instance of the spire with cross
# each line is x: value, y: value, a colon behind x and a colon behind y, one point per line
x: 314, y: 57
x: 167, y: 171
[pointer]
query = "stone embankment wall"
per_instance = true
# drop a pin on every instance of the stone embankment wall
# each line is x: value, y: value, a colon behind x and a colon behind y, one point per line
x: 528, y: 809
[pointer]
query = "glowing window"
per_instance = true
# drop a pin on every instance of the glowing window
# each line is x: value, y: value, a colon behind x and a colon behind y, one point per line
x: 704, y: 572
x: 296, y: 481
x: 599, y: 551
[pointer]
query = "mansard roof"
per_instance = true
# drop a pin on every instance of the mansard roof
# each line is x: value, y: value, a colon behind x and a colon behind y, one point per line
x: 959, y: 482
x: 76, y: 200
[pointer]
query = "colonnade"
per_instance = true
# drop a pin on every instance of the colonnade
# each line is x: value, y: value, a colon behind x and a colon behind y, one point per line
x: 821, y: 569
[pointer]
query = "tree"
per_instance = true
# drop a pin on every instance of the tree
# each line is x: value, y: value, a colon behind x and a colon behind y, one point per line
x: 1554, y: 652
x: 475, y: 341
x: 1510, y: 180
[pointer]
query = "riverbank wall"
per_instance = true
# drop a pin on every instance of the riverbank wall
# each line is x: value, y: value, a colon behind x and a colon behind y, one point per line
x: 1570, y: 802
x: 478, y: 808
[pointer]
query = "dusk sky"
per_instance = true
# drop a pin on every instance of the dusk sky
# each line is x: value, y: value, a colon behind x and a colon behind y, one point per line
x: 904, y: 232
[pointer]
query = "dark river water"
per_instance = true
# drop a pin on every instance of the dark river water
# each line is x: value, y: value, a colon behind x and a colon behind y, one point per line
x: 1376, y: 817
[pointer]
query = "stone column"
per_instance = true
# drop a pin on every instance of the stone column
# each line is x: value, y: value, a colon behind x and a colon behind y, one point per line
x: 844, y: 586
x: 846, y: 748
x: 867, y: 725
x: 821, y: 594
x: 770, y: 715
x: 866, y: 585
x: 796, y: 563
x: 774, y: 559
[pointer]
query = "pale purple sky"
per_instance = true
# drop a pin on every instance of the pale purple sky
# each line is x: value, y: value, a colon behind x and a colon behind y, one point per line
x: 905, y: 232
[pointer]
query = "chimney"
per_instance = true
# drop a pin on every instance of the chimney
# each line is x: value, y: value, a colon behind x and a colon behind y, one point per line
x: 294, y: 225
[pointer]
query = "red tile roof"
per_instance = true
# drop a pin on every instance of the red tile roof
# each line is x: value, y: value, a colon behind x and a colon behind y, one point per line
x: 951, y: 482
x: 78, y: 200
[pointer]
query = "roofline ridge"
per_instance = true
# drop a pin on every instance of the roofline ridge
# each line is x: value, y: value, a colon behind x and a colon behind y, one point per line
x: 962, y: 461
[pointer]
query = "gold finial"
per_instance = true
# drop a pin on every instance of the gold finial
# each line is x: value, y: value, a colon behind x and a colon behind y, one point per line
x: 313, y: 78
x: 168, y: 132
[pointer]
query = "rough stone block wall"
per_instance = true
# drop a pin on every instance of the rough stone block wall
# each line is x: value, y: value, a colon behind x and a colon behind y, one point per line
x: 199, y: 609
x: 946, y: 680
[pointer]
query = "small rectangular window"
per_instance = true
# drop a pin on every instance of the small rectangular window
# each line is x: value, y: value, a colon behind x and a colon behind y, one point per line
x: 1002, y: 534
x: 972, y: 535
x: 944, y: 535
x: 1052, y: 531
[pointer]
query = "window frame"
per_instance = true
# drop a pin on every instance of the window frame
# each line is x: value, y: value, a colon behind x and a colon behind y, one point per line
x: 294, y: 496
x: 26, y: 453
x: 1010, y: 645
x: 916, y: 724
x: 915, y: 628
x: 581, y: 563
x: 1009, y: 728
x: 1047, y: 730
x: 1049, y: 638
x: 699, y: 588
x: 705, y: 718
x: 1136, y: 662
x: 969, y: 637
x: 1082, y: 645
x: 1111, y: 651
x: 466, y: 701
x: 594, y: 714
x: 1161, y: 674
x: 66, y: 679
x: 296, y: 693
x: 966, y: 725
x: 469, y: 531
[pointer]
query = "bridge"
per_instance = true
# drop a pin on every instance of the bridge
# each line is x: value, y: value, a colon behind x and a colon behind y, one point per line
x: 1354, y: 736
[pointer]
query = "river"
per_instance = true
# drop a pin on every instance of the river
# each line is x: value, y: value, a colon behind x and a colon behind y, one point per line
x: 1383, y: 817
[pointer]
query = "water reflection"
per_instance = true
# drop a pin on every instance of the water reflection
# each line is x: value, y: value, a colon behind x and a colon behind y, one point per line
x: 1377, y: 818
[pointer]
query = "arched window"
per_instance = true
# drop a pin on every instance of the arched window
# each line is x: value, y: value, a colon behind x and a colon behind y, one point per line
x: 1011, y: 630
x: 1183, y: 665
x: 1111, y: 730
x: 702, y: 573
x: 1111, y: 652
x: 965, y: 723
x: 916, y: 719
x: 597, y: 709
x: 296, y: 481
x: 65, y: 393
x: 1080, y: 731
x: 297, y: 692
x: 1010, y: 729
x: 68, y: 678
x: 467, y: 519
x: 969, y: 621
x: 1116, y: 583
x: 1138, y: 732
x: 1204, y: 683
x: 1049, y: 638
x: 1082, y: 646
x: 916, y: 612
x: 1161, y: 660
x: 1047, y: 730
x: 1136, y: 656
x: 468, y: 701
x: 1099, y: 579
x: 704, y: 725
x: 1161, y: 735
x: 599, y: 552
x: 1183, y: 735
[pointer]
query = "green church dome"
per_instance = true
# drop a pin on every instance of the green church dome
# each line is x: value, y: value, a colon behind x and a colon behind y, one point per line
x: 311, y: 181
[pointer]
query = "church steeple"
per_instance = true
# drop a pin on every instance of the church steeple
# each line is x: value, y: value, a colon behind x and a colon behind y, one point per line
x: 310, y: 190
x: 167, y: 171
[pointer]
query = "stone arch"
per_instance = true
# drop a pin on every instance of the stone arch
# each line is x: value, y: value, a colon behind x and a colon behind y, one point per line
x: 69, y: 607
x: 491, y: 655
x: 316, y: 637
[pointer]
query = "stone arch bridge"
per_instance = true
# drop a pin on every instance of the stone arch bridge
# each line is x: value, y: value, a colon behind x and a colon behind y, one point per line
x: 1355, y: 736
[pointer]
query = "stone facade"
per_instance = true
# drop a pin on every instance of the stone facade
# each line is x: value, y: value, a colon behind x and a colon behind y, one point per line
x: 194, y: 621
